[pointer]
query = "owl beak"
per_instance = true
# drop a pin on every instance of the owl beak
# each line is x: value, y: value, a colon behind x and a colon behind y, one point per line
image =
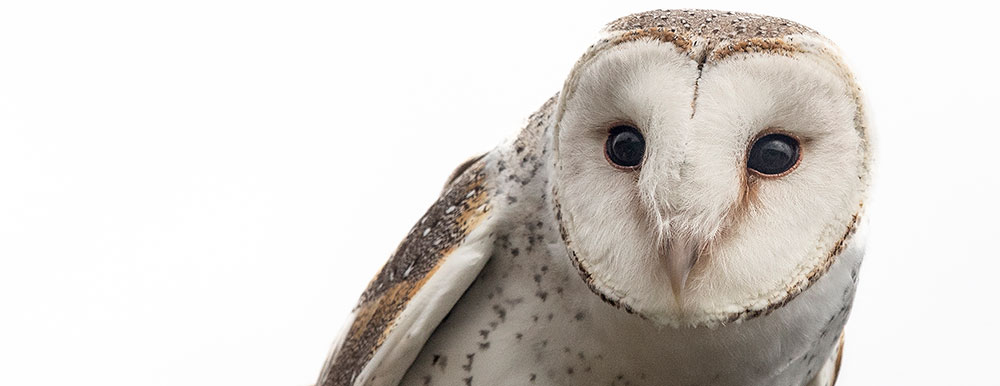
x: 680, y: 256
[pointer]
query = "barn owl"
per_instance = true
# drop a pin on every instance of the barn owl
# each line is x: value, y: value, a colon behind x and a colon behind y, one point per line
x: 685, y: 211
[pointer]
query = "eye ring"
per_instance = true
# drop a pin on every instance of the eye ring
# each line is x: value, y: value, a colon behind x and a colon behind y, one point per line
x: 781, y: 141
x: 625, y: 148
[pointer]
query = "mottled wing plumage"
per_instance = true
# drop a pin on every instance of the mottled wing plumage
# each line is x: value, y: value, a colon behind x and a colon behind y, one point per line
x: 428, y: 246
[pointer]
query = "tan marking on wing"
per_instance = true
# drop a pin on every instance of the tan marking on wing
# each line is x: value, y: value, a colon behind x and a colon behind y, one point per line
x: 462, y: 207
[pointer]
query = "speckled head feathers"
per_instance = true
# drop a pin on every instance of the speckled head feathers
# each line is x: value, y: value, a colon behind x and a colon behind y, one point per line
x: 709, y: 24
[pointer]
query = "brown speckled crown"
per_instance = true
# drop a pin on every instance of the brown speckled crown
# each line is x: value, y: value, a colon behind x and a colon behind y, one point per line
x: 712, y: 25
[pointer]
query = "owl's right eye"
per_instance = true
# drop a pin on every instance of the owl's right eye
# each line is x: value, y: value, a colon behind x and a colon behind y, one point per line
x: 625, y: 147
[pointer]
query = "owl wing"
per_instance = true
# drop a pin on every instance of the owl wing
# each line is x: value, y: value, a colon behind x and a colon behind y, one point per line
x: 827, y: 375
x: 417, y: 287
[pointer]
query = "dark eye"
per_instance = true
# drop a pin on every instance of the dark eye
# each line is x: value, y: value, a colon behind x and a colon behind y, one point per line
x: 625, y: 147
x: 773, y: 154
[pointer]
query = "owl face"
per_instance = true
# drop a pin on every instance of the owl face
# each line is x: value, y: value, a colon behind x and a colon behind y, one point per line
x: 696, y: 183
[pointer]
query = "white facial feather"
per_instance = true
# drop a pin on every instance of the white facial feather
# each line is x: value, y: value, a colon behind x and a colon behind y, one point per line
x: 758, y: 241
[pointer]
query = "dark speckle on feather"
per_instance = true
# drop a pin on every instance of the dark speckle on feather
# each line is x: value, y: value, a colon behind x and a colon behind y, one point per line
x: 500, y: 311
x: 468, y: 366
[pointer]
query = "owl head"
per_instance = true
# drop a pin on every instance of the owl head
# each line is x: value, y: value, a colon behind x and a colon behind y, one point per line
x: 708, y: 166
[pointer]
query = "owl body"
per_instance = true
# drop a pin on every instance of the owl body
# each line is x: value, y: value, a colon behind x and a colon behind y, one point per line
x: 684, y: 211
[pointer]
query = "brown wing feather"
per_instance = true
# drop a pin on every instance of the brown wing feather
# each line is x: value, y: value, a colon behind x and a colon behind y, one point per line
x: 461, y: 169
x: 442, y: 229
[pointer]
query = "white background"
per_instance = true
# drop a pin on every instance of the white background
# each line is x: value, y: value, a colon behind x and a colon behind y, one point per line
x: 196, y: 192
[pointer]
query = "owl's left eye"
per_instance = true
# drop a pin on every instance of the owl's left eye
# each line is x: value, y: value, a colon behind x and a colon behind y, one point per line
x: 773, y: 155
x: 625, y: 147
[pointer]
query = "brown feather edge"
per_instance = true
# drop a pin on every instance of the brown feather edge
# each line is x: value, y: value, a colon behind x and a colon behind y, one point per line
x: 585, y: 274
x: 840, y: 357
x: 796, y: 289
x: 462, y: 207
